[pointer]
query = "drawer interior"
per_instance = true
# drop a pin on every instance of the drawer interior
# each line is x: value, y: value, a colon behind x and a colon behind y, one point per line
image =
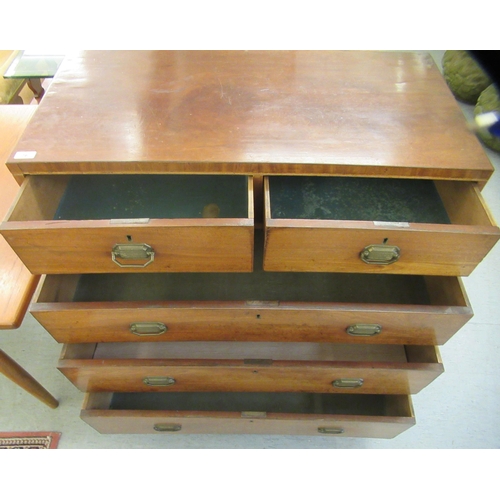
x: 251, y: 351
x: 374, y: 199
x: 95, y: 197
x: 305, y: 403
x: 282, y: 287
x: 255, y: 287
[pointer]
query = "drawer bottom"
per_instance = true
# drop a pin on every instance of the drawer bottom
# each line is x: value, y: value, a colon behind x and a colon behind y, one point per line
x: 348, y: 415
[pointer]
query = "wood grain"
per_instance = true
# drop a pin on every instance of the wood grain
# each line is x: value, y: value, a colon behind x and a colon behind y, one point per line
x: 17, y: 284
x: 281, y: 112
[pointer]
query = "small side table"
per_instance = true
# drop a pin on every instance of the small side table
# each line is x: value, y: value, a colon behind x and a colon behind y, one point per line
x: 33, y: 67
x: 17, y: 283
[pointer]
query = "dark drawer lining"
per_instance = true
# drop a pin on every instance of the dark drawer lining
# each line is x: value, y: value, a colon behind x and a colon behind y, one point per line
x: 94, y: 197
x: 256, y: 286
x: 356, y: 198
x: 271, y: 402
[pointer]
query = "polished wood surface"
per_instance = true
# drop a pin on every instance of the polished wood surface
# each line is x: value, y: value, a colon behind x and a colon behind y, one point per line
x: 17, y: 284
x: 426, y: 249
x: 384, y: 114
x: 22, y: 378
x: 399, y: 417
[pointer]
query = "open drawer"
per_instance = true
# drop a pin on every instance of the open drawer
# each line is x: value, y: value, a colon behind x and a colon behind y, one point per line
x: 348, y: 415
x: 133, y: 223
x: 250, y: 366
x: 362, y: 225
x: 258, y: 306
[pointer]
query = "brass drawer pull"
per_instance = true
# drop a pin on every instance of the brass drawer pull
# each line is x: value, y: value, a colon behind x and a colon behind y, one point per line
x: 364, y: 330
x: 331, y: 430
x: 348, y: 383
x: 167, y: 427
x: 148, y: 329
x: 159, y: 381
x: 132, y: 251
x: 380, y: 254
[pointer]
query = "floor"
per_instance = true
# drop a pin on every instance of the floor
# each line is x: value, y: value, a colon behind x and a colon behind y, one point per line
x: 461, y: 409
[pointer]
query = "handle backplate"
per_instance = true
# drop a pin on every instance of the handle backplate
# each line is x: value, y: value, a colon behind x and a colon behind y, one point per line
x: 167, y: 427
x: 348, y: 383
x: 150, y: 328
x: 132, y: 251
x: 380, y: 254
x: 159, y: 381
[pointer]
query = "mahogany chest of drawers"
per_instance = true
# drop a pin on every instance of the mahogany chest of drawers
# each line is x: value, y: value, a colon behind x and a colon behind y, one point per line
x: 250, y: 242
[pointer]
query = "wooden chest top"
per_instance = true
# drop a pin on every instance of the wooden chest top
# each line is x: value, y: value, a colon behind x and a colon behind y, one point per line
x: 384, y: 114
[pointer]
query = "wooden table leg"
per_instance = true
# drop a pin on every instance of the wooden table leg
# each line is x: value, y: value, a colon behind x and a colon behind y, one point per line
x: 22, y: 378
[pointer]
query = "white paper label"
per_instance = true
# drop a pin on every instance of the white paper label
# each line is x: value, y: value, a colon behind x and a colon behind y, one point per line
x: 391, y: 224
x: 24, y: 155
x: 129, y: 221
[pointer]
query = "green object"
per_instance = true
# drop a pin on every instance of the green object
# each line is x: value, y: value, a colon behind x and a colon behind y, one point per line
x: 489, y: 100
x: 464, y: 75
x: 30, y: 65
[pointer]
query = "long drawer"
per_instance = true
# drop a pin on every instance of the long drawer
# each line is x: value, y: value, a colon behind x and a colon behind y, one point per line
x: 344, y: 415
x: 247, y: 366
x: 258, y: 306
x: 361, y: 225
x: 133, y: 223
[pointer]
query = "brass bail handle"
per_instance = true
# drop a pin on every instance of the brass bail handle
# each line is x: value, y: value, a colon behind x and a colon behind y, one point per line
x: 146, y: 329
x: 167, y: 427
x: 380, y: 254
x: 331, y: 430
x: 364, y: 329
x: 132, y: 251
x: 348, y: 383
x: 158, y: 381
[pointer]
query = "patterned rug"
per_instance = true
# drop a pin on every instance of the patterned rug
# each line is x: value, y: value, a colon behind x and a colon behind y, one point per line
x: 29, y: 440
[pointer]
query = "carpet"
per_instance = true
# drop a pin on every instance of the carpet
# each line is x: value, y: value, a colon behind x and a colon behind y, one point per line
x: 29, y: 440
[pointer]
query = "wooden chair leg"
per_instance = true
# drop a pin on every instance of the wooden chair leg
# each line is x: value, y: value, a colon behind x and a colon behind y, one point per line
x: 21, y: 377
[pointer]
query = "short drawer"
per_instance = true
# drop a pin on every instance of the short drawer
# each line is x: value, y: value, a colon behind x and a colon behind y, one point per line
x: 361, y: 225
x: 133, y: 223
x: 341, y: 415
x: 247, y: 366
x: 258, y: 306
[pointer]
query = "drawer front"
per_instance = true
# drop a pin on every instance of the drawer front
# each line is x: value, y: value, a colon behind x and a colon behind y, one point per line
x: 152, y: 320
x: 299, y: 368
x: 102, y: 247
x: 51, y: 236
x: 393, y: 247
x: 143, y: 421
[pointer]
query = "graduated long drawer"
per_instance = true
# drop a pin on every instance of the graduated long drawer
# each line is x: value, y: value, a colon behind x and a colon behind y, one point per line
x: 341, y: 415
x: 133, y: 223
x: 258, y: 306
x: 361, y: 225
x: 247, y: 366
